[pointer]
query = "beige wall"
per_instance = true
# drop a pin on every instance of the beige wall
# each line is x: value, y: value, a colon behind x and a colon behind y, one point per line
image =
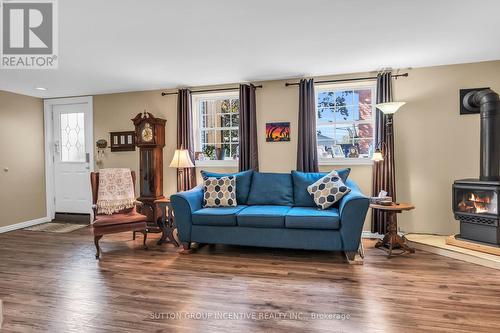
x: 434, y: 145
x: 114, y: 113
x: 22, y: 187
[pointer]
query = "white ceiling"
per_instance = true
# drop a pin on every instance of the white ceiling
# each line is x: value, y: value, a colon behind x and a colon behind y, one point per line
x: 126, y: 45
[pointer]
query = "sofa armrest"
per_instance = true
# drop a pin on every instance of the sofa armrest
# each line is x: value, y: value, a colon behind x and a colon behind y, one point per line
x: 353, y: 209
x: 184, y: 205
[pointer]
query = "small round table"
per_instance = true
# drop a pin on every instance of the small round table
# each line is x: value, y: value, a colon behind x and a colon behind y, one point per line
x: 391, y: 239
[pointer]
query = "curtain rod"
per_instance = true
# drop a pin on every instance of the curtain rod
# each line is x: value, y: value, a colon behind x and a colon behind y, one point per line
x: 208, y: 90
x: 348, y: 80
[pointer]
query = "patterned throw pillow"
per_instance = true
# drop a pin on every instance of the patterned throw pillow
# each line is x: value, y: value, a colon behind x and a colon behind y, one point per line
x: 219, y: 192
x: 328, y: 190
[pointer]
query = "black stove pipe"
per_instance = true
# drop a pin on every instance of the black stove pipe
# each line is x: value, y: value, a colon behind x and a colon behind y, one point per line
x: 488, y: 103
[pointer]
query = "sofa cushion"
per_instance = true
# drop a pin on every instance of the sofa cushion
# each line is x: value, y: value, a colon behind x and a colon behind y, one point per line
x: 328, y: 190
x: 312, y: 218
x: 271, y: 189
x: 263, y: 216
x: 217, y: 216
x: 301, y: 180
x: 219, y: 192
x: 243, y: 182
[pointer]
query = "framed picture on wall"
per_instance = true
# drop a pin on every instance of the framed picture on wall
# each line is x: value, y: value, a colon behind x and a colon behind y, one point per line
x: 278, y: 132
x: 122, y: 141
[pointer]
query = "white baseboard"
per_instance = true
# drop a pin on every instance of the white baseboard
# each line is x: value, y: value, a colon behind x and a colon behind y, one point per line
x: 372, y: 235
x: 22, y: 225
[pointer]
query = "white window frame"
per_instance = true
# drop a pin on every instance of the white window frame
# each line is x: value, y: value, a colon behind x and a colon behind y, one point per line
x: 197, y: 122
x: 347, y: 86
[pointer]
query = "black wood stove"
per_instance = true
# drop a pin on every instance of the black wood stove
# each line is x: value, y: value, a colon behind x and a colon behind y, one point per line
x: 475, y: 201
x: 475, y: 205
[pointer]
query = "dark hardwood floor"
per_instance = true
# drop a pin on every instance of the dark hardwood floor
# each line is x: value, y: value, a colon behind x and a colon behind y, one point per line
x: 52, y: 283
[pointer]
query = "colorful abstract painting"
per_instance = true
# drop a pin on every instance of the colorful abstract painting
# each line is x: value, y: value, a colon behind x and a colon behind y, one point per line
x: 277, y: 132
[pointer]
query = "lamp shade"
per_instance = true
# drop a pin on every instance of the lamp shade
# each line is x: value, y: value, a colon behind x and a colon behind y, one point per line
x: 181, y: 159
x: 390, y: 107
x: 377, y: 156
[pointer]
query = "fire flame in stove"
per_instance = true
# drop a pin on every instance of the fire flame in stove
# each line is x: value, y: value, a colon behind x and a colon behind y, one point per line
x: 477, y: 204
x: 480, y: 204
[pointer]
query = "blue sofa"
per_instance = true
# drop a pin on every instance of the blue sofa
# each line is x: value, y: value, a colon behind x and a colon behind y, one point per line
x: 274, y: 210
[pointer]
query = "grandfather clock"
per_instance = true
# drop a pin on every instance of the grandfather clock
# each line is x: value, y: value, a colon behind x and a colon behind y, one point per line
x: 150, y: 138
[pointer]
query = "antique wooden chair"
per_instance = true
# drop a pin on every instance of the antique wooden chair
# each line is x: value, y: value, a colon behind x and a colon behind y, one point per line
x: 125, y: 220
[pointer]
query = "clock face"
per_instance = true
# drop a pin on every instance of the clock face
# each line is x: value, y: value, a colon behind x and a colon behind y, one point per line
x: 147, y: 133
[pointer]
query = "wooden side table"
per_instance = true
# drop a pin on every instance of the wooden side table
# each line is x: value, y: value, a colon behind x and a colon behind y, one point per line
x: 391, y: 239
x: 167, y: 222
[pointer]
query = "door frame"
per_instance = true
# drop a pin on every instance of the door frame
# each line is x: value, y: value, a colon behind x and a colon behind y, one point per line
x: 50, y: 194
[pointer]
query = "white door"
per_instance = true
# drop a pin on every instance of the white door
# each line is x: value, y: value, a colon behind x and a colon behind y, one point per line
x: 72, y: 154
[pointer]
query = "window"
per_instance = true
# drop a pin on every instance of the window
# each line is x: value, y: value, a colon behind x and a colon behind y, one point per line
x: 73, y: 137
x: 217, y: 118
x: 345, y: 123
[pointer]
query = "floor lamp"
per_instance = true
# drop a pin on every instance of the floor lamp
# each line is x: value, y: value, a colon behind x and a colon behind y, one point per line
x: 391, y: 238
x: 388, y: 109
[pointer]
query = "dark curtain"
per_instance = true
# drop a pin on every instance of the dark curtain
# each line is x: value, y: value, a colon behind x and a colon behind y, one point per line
x: 307, y: 150
x: 384, y: 177
x: 186, y: 179
x: 248, y: 152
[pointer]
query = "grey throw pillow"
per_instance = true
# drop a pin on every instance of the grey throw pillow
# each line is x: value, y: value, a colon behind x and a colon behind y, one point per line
x: 328, y: 190
x: 219, y: 192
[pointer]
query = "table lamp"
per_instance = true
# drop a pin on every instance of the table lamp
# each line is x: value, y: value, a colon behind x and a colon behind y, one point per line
x: 181, y: 161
